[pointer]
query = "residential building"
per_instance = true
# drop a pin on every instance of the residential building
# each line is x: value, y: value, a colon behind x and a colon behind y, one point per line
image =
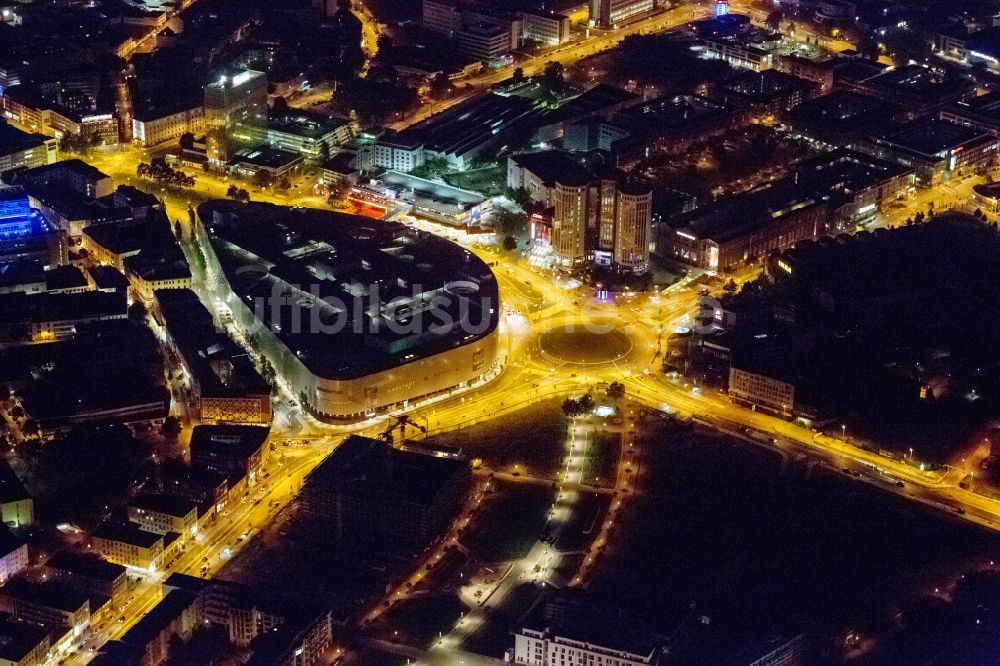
x: 146, y: 252
x: 742, y: 53
x: 819, y: 72
x: 368, y: 492
x: 537, y: 172
x: 767, y: 93
x: 398, y: 152
x: 544, y: 27
x: 149, y: 641
x: 164, y: 513
x: 23, y: 643
x: 441, y: 16
x: 761, y: 389
x: 485, y: 39
x: 152, y: 126
x: 275, y: 631
x: 62, y: 121
x: 224, y: 383
x: 236, y: 451
x: 44, y: 114
x: 129, y: 545
x: 209, y: 489
x: 934, y: 149
x: 89, y: 574
x: 74, y: 175
x: 13, y: 556
x: 601, y: 218
x: 21, y: 149
x: 981, y: 113
x: 831, y: 192
x: 49, y: 604
x: 534, y: 647
x: 626, y: 217
x: 920, y: 90
x: 570, y: 221
x: 235, y: 113
x: 725, y: 234
x: 612, y: 13
x: 45, y: 317
x: 17, y: 508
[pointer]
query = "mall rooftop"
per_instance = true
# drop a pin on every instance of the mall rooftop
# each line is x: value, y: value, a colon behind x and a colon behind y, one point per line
x: 350, y: 295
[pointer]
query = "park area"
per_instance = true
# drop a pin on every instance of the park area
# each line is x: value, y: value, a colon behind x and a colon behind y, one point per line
x: 531, y: 441
x: 601, y: 459
x: 419, y: 621
x: 754, y: 543
x: 509, y: 522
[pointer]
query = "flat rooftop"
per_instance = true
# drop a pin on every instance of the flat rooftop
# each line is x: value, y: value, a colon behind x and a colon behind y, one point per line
x: 49, y: 594
x: 13, y: 140
x: 842, y: 112
x: 845, y: 171
x: 358, y: 292
x: 88, y: 566
x: 205, y: 346
x: 8, y: 542
x: 132, y: 236
x: 267, y: 157
x: 363, y: 467
x: 918, y: 86
x: 18, y: 639
x: 230, y: 440
x: 11, y: 488
x: 127, y: 533
x: 472, y: 124
x: 726, y: 219
x: 76, y: 166
x: 65, y: 277
x: 766, y: 85
x: 553, y: 166
x: 302, y: 123
x: 441, y: 195
x: 52, y: 307
x: 672, y: 114
x: 930, y: 136
x: 108, y: 278
x: 171, y: 505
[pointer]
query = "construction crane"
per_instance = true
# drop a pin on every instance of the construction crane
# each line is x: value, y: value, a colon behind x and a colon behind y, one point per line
x: 400, y: 423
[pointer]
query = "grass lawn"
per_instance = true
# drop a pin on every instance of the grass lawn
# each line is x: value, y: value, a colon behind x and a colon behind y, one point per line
x: 510, y: 522
x: 584, y: 522
x: 493, y: 637
x: 376, y: 658
x: 491, y: 181
x: 534, y: 437
x: 419, y: 620
x: 603, y: 450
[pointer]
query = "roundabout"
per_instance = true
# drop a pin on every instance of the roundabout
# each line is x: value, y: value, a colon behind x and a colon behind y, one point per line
x: 586, y: 345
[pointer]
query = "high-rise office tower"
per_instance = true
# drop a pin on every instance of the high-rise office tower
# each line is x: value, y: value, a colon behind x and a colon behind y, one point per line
x: 235, y: 113
x: 609, y: 13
